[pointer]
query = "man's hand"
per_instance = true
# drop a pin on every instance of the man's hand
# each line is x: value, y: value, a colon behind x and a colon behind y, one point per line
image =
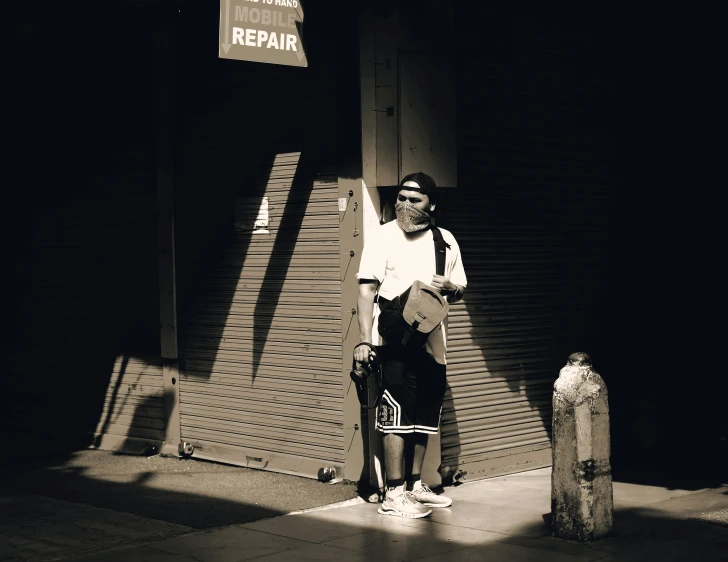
x: 363, y: 354
x: 444, y: 285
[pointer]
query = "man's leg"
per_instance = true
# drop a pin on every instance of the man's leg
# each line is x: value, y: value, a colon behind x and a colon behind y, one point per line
x: 395, y: 418
x: 394, y: 446
x: 431, y: 386
x: 414, y: 457
x: 397, y: 500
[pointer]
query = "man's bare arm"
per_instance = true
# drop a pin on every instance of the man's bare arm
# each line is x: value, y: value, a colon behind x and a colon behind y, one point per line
x: 365, y: 315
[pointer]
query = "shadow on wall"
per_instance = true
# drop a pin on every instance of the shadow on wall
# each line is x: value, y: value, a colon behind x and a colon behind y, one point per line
x: 212, y: 252
x: 81, y: 356
x: 133, y: 419
x: 257, y: 247
x: 79, y: 240
x: 519, y: 321
x: 274, y: 278
x: 532, y: 214
x: 234, y: 163
x: 239, y: 308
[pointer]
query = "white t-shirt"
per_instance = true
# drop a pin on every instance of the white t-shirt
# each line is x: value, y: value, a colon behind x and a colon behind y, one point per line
x: 396, y: 260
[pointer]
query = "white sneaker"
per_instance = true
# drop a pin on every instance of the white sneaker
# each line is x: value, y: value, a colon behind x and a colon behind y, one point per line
x: 403, y: 505
x: 427, y: 497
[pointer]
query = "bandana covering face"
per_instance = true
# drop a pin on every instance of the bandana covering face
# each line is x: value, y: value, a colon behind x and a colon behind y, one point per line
x: 409, y: 218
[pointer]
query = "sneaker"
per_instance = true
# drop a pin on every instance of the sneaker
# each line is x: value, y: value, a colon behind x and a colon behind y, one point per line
x: 403, y: 505
x: 428, y: 498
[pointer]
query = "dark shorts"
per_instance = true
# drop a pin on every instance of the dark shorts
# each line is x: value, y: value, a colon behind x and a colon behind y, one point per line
x: 414, y: 388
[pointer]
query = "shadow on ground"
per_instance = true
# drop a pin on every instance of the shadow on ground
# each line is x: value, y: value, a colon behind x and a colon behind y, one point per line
x: 154, y: 508
x: 193, y: 493
x: 469, y: 531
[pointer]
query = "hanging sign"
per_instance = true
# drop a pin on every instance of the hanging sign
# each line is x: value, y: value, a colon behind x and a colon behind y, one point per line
x: 262, y: 31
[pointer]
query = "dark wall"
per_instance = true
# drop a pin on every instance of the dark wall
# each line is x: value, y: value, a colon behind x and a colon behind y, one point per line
x: 666, y: 281
x: 645, y: 90
x: 79, y: 227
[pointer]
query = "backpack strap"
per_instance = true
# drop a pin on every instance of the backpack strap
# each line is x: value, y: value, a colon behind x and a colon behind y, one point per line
x: 440, y: 252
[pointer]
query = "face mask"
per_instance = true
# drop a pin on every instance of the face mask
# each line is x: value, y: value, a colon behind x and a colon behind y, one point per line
x: 409, y: 218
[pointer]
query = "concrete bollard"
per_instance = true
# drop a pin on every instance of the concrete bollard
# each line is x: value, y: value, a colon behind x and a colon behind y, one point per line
x: 581, y: 480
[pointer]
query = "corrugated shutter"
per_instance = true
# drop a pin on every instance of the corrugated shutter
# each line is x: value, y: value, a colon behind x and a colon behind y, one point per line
x: 133, y: 414
x: 262, y: 366
x: 530, y: 215
x: 260, y: 306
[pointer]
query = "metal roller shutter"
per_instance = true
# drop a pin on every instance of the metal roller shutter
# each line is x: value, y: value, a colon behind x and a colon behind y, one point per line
x: 262, y: 373
x: 133, y: 414
x: 530, y: 215
x: 260, y: 306
x: 501, y: 344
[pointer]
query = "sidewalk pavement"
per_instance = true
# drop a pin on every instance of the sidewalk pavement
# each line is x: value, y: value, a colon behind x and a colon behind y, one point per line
x: 503, y: 518
x: 187, y: 492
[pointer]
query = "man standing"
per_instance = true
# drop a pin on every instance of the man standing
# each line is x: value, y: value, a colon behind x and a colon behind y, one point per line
x: 399, y: 253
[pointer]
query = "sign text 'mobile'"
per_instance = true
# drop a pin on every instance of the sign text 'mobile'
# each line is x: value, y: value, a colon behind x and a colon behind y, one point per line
x: 262, y: 31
